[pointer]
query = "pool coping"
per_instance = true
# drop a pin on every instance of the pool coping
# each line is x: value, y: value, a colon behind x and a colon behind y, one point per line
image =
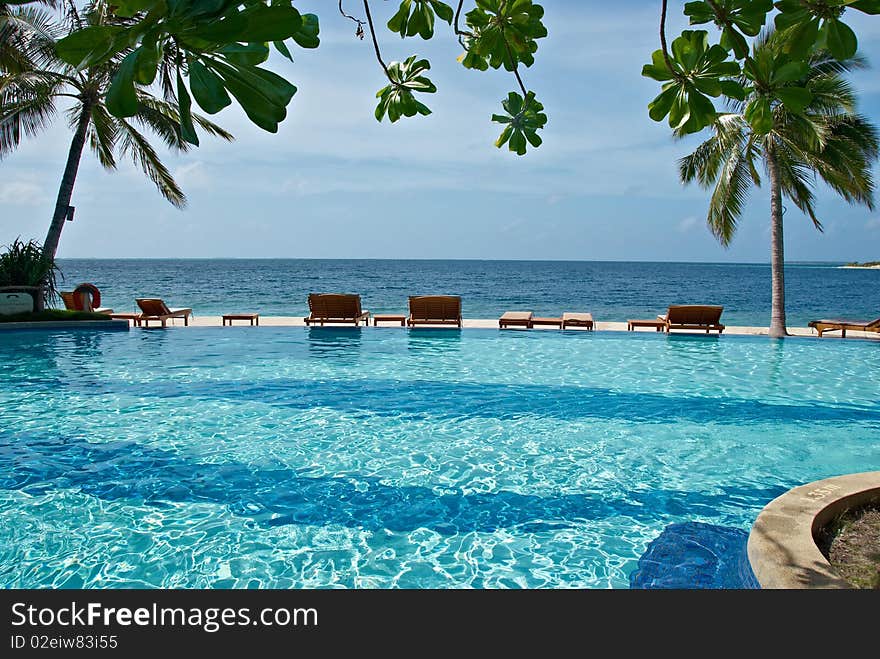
x: 114, y: 325
x: 781, y: 547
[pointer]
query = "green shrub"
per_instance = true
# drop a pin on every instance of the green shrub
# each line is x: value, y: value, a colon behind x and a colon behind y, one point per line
x: 24, y: 264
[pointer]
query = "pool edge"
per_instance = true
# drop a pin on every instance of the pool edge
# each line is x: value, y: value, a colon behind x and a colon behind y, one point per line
x: 781, y: 546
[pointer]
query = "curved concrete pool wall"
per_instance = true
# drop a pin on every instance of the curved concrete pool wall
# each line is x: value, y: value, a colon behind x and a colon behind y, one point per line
x: 782, y: 549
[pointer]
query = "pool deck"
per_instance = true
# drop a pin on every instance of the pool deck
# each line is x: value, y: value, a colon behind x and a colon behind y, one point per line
x: 492, y: 323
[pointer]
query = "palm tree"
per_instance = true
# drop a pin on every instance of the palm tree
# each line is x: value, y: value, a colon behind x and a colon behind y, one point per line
x: 18, y: 25
x: 37, y: 81
x: 827, y: 141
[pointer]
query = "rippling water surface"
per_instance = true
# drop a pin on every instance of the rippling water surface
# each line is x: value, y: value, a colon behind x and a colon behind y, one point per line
x: 611, y: 291
x: 291, y: 457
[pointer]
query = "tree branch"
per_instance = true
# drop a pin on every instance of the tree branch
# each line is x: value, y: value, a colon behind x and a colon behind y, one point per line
x: 359, y: 33
x: 516, y: 72
x: 458, y: 32
x: 663, y: 45
x: 375, y: 41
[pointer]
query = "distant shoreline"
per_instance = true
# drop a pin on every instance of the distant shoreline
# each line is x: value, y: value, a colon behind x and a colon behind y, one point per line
x: 860, y: 267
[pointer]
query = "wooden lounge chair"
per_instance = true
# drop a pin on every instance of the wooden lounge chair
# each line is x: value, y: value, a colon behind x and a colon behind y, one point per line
x: 577, y: 320
x: 515, y: 319
x: 336, y: 308
x: 844, y: 325
x: 74, y: 301
x: 434, y: 310
x: 693, y: 317
x: 153, y: 308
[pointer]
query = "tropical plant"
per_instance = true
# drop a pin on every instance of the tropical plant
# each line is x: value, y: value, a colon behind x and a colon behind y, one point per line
x: 218, y: 46
x: 17, y: 25
x: 776, y: 117
x: 693, y: 73
x: 26, y: 264
x: 29, y: 100
x: 810, y: 130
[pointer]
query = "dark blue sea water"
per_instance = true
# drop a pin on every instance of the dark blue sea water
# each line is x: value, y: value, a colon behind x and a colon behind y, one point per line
x: 611, y: 291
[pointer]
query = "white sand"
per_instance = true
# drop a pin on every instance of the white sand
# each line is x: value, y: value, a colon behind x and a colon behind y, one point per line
x: 488, y: 323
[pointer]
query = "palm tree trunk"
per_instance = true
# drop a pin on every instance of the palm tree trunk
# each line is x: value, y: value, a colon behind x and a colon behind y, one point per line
x: 65, y: 192
x: 777, y: 251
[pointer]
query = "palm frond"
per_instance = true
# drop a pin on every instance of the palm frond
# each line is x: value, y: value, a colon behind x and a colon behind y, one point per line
x: 27, y: 106
x: 703, y: 164
x: 729, y: 197
x: 103, y: 134
x: 133, y: 143
x: 27, y: 38
x: 797, y: 180
x: 163, y: 118
x: 845, y: 162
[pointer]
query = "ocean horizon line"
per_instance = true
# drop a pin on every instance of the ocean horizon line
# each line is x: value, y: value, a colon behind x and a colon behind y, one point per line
x: 436, y: 260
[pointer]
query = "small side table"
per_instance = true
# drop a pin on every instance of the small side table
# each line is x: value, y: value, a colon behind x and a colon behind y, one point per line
x: 658, y: 325
x: 540, y: 320
x: 389, y: 318
x: 253, y: 318
x: 135, y: 318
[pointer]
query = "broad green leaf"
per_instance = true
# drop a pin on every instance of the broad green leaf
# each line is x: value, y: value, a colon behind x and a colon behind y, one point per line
x: 679, y: 112
x: 867, y: 6
x: 789, y: 72
x: 282, y: 48
x: 759, y: 114
x: 795, y: 99
x: 398, y: 22
x: 443, y: 11
x: 148, y: 62
x: 307, y: 35
x: 709, y: 86
x: 840, y: 38
x: 660, y: 106
x: 801, y: 38
x: 128, y: 8
x: 88, y: 45
x: 249, y: 54
x: 504, y: 137
x: 184, y: 103
x: 733, y: 89
x: 270, y: 24
x: 701, y: 110
x: 207, y: 88
x: 733, y: 40
x: 122, y: 98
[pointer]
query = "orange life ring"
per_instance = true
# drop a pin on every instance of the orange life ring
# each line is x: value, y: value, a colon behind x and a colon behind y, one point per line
x: 81, y: 302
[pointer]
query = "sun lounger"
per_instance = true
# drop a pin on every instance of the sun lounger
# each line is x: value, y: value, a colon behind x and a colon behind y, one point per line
x: 336, y: 308
x: 577, y: 320
x: 434, y: 310
x: 841, y: 325
x: 153, y: 308
x: 80, y: 301
x: 515, y: 319
x: 693, y: 317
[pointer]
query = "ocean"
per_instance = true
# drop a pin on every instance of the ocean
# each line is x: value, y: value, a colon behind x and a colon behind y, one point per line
x: 610, y: 290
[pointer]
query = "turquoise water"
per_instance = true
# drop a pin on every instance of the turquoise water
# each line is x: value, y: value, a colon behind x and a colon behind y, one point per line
x: 611, y: 291
x: 292, y: 457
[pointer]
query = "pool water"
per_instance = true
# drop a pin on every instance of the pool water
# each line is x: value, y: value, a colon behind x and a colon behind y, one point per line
x: 291, y: 457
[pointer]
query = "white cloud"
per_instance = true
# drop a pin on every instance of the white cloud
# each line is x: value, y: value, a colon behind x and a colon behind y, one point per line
x: 687, y: 224
x: 22, y: 193
x: 193, y: 175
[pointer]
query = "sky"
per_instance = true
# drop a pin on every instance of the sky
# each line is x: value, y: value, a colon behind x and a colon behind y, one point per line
x: 335, y: 183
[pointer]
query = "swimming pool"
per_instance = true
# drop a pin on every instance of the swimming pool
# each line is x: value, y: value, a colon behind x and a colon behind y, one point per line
x: 290, y: 457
